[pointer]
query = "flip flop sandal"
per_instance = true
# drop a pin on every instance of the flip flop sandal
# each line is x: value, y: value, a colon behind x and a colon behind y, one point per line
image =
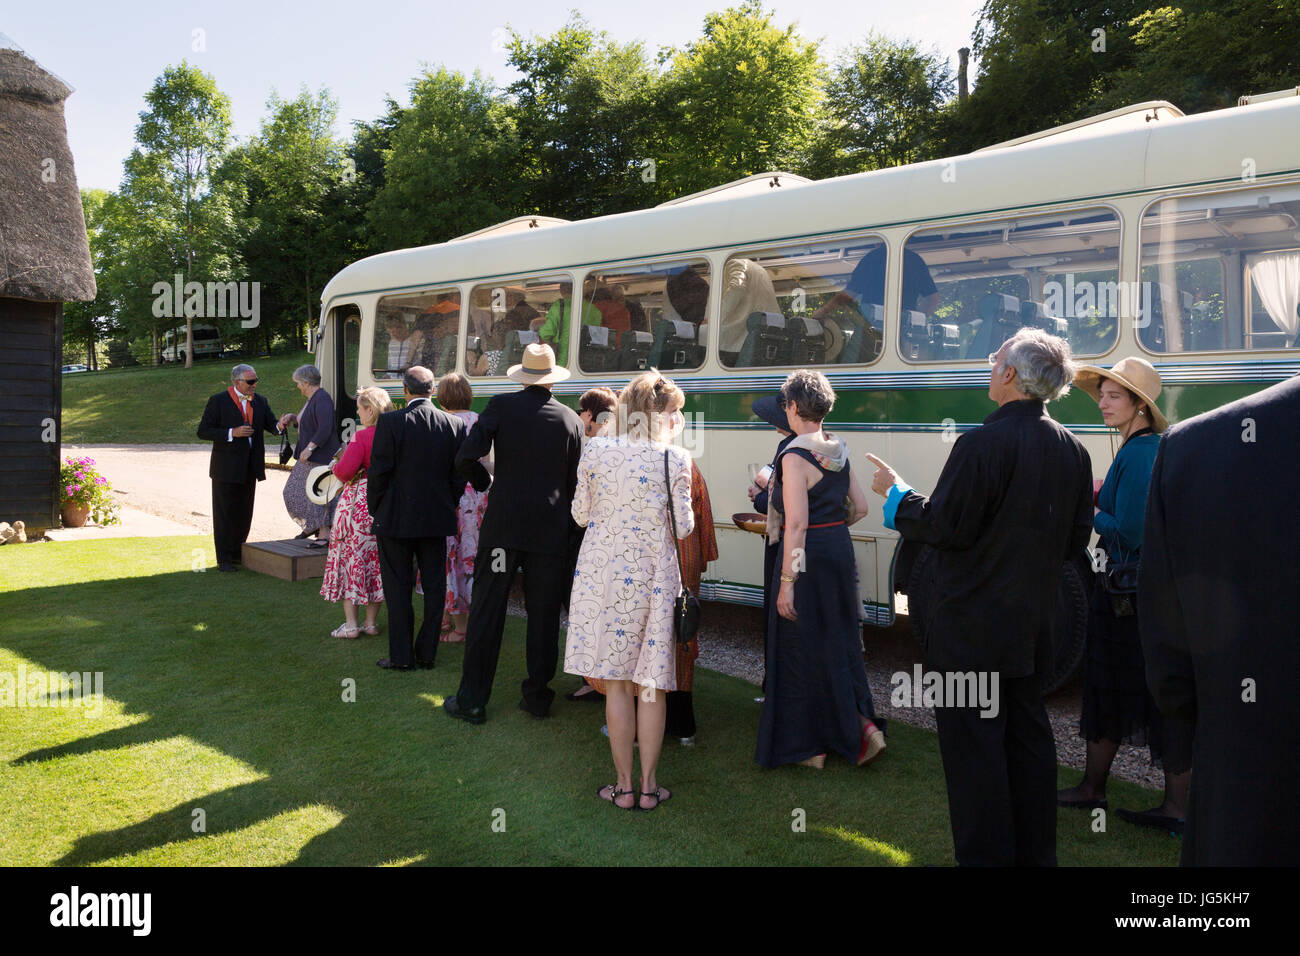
x: 614, y: 794
x: 661, y: 796
x: 449, y: 637
x: 348, y: 632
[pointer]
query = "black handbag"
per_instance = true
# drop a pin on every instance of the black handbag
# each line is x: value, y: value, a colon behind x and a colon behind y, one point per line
x: 1120, y: 582
x: 686, y: 609
x: 286, y: 450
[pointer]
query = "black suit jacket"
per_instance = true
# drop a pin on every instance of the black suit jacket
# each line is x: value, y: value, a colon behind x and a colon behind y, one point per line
x: 412, y: 488
x: 1013, y: 502
x: 538, y: 442
x: 238, y: 460
x: 1219, y: 618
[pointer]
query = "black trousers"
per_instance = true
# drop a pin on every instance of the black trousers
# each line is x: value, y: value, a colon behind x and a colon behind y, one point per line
x: 1001, y: 775
x: 398, y: 558
x: 232, y: 516
x: 547, y: 581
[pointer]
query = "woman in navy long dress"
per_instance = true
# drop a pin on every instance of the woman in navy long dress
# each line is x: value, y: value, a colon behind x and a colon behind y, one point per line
x: 818, y: 698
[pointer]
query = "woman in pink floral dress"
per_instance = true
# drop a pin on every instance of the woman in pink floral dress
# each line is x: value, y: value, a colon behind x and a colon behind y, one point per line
x: 352, y: 565
x: 455, y: 396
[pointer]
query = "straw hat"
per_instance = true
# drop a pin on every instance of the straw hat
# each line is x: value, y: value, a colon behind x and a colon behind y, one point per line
x: 538, y: 367
x: 322, y: 485
x: 1135, y: 374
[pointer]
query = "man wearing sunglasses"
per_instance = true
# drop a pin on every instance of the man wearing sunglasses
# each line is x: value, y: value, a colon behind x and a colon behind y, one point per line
x: 234, y: 421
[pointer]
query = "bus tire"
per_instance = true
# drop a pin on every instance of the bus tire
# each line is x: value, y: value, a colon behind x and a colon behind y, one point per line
x: 1069, y: 628
x: 1069, y: 623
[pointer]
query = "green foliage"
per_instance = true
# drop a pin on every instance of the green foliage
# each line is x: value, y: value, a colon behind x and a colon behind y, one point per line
x: 583, y: 108
x: 740, y: 100
x: 883, y: 100
x: 453, y: 165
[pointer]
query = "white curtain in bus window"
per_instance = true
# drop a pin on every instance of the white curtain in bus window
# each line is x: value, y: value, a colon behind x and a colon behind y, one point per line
x: 416, y: 328
x: 968, y: 287
x: 1221, y: 272
x: 652, y: 314
x: 508, y: 315
x: 810, y: 304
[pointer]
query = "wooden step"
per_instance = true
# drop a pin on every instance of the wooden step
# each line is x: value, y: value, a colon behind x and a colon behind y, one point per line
x: 290, y: 560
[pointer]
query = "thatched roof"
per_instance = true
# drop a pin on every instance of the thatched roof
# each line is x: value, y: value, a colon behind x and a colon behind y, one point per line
x: 43, y: 250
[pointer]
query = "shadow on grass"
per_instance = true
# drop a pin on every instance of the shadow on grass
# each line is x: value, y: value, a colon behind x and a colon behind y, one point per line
x: 242, y: 665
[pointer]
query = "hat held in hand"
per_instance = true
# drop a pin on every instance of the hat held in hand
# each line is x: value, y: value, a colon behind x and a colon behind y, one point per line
x: 538, y: 367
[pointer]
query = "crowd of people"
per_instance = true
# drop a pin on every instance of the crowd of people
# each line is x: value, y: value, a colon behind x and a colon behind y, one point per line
x: 605, y: 516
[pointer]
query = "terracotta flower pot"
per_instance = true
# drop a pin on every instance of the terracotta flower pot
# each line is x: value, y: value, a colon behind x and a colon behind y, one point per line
x: 75, y: 515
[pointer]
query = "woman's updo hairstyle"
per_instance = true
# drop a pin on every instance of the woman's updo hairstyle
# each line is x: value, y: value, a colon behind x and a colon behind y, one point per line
x: 646, y: 405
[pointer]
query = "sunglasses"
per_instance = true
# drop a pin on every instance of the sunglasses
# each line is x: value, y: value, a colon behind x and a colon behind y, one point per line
x: 249, y: 381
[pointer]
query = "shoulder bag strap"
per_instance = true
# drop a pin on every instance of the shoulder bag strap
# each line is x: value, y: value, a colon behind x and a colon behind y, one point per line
x: 673, y: 518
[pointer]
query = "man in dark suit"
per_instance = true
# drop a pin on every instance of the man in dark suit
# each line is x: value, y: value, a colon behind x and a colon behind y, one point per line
x: 1013, y: 502
x: 413, y: 492
x: 234, y: 421
x: 1219, y: 608
x: 528, y: 525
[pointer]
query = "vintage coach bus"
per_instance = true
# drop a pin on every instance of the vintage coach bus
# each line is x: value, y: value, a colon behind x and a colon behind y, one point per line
x: 1139, y: 232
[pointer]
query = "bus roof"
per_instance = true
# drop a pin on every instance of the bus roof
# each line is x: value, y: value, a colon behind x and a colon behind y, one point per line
x: 1116, y: 153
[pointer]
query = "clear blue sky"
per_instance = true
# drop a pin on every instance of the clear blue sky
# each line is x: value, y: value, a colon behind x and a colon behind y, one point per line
x: 110, y: 53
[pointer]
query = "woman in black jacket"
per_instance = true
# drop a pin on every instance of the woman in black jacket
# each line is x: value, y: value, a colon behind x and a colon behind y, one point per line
x: 318, y: 441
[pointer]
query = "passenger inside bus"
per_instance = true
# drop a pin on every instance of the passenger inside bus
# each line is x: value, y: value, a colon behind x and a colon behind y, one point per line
x: 866, y: 286
x: 746, y: 289
x: 554, y: 329
x: 611, y: 301
x: 403, y: 344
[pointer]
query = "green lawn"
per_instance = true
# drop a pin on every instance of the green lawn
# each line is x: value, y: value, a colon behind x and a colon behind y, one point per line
x: 149, y: 405
x: 223, y: 694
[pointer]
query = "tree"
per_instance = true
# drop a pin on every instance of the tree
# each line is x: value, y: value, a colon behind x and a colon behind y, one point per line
x: 1203, y: 56
x: 285, y: 176
x: 740, y: 100
x: 167, y: 218
x: 84, y: 323
x: 883, y: 103
x: 453, y: 166
x: 583, y: 110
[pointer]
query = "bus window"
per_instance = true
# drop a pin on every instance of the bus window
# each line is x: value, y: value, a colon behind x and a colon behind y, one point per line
x: 416, y: 328
x: 811, y: 304
x: 1058, y: 272
x: 506, y: 316
x: 1221, y: 272
x: 643, y: 316
x: 345, y: 322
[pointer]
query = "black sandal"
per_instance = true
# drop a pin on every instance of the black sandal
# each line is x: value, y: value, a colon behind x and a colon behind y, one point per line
x: 661, y: 796
x: 615, y: 793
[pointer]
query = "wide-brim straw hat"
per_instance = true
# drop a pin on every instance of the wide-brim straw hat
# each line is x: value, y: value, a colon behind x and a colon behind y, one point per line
x: 1137, y: 375
x: 322, y: 485
x: 538, y: 367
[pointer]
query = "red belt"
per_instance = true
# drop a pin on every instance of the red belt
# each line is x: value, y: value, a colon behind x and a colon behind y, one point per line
x: 829, y: 524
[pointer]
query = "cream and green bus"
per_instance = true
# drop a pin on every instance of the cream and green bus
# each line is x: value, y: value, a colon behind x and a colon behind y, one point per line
x: 1139, y: 232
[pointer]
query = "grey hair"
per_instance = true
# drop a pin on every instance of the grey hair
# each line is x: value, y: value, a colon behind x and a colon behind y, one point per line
x: 1043, y: 362
x: 810, y: 392
x: 307, y: 374
x: 238, y: 371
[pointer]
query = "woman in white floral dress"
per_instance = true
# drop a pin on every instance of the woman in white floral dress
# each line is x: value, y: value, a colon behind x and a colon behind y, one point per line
x: 627, y: 579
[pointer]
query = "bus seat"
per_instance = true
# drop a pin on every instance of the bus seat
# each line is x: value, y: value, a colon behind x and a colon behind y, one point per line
x: 915, y: 328
x: 1001, y: 318
x: 634, y: 350
x: 596, y: 349
x: 767, y: 342
x: 807, y: 342
x: 516, y: 342
x: 862, y: 333
x: 675, y: 345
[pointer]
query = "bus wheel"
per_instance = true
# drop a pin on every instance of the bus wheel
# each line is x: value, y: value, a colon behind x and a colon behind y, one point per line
x: 1069, y: 628
x: 1069, y: 624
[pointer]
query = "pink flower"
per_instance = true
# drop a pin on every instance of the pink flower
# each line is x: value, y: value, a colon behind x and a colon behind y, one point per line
x: 69, y: 490
x: 76, y: 488
x: 81, y: 474
x: 101, y: 480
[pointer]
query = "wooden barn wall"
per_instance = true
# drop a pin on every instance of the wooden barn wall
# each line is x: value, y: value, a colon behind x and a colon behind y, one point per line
x: 31, y: 393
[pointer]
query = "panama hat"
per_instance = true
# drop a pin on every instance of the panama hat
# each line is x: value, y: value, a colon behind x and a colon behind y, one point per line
x: 322, y: 485
x: 1137, y: 375
x: 538, y: 367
